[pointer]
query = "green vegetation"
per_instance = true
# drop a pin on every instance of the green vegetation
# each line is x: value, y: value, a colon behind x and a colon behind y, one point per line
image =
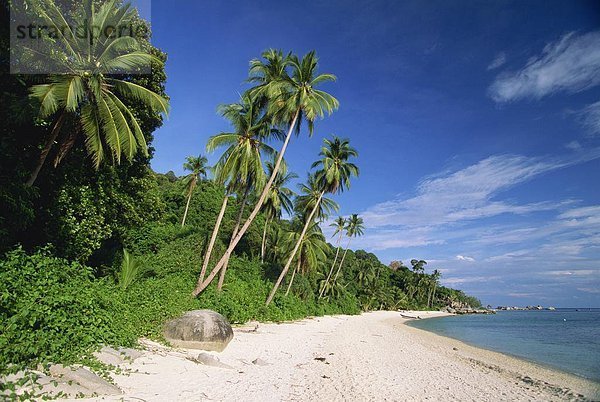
x: 130, y: 268
x: 67, y: 285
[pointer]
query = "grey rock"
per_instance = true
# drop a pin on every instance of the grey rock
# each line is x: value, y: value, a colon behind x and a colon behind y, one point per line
x: 86, y: 382
x: 108, y: 355
x: 209, y: 360
x: 199, y: 329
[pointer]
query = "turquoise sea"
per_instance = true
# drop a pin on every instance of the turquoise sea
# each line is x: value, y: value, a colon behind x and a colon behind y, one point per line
x: 567, y: 339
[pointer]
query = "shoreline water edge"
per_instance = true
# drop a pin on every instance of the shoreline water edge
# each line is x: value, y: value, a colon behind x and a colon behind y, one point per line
x: 373, y: 356
x: 513, y: 365
x: 563, y: 339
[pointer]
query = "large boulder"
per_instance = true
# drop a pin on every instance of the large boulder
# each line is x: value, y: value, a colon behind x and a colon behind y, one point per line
x: 199, y: 329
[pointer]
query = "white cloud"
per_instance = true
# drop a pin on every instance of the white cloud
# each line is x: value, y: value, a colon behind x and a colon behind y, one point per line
x: 582, y: 212
x: 579, y: 272
x: 574, y: 146
x: 447, y: 207
x: 465, y: 258
x: 571, y: 64
x: 589, y: 117
x: 468, y: 279
x: 466, y: 194
x: 498, y: 61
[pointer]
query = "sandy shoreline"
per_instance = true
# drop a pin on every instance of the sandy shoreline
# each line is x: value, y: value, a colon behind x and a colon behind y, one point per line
x: 369, y: 357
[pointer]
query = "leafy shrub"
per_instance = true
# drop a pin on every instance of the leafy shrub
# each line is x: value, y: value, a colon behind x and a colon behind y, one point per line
x: 82, y: 213
x: 130, y: 268
x: 51, y: 310
x: 151, y: 237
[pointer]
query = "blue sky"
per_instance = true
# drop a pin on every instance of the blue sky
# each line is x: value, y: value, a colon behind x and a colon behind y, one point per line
x: 477, y: 123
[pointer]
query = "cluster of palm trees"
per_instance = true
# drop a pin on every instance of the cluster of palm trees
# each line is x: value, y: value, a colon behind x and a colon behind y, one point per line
x: 285, y: 95
x: 353, y: 227
x: 422, y: 286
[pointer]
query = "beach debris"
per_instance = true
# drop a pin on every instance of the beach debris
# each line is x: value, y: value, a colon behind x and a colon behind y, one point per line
x: 249, y: 327
x: 260, y: 362
x: 199, y: 329
x: 321, y: 359
x: 208, y: 360
x: 454, y: 348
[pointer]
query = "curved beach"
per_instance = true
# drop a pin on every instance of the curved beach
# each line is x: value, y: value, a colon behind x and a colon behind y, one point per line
x: 373, y: 356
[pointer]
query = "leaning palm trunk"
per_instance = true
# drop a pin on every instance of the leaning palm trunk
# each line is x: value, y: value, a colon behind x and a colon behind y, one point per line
x: 46, y: 150
x: 342, y: 262
x: 433, y: 293
x: 287, y: 292
x: 213, y: 237
x: 235, y: 230
x: 295, y: 250
x: 264, y: 241
x: 202, y: 284
x: 187, y: 205
x: 332, y: 266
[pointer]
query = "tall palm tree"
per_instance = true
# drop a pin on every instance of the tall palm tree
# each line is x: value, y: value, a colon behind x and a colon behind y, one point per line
x: 333, y: 177
x: 310, y: 201
x: 252, y: 129
x: 277, y: 252
x: 292, y: 97
x: 354, y: 228
x: 241, y: 163
x: 90, y: 93
x: 418, y: 266
x: 339, y: 224
x: 435, y: 276
x: 278, y: 200
x: 366, y: 275
x: 310, y: 198
x: 312, y: 251
x: 196, y: 165
x: 221, y: 180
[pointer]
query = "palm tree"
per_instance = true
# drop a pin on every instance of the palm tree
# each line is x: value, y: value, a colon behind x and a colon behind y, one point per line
x: 339, y: 224
x: 312, y: 251
x: 354, y: 228
x: 197, y: 165
x: 435, y: 276
x: 418, y: 266
x: 252, y: 128
x: 311, y: 204
x: 419, y: 279
x: 366, y: 275
x: 278, y: 200
x: 241, y: 162
x: 291, y: 98
x: 220, y: 180
x: 277, y: 251
x: 90, y: 93
x: 333, y: 177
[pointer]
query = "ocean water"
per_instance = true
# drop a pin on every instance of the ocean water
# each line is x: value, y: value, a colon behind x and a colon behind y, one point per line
x: 565, y: 338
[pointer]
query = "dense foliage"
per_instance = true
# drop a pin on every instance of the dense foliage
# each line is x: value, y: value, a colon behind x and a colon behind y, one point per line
x: 67, y: 285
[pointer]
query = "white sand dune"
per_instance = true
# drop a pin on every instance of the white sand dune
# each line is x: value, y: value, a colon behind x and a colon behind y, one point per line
x: 371, y: 357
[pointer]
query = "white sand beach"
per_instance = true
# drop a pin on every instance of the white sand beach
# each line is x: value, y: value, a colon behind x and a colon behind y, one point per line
x: 370, y: 357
